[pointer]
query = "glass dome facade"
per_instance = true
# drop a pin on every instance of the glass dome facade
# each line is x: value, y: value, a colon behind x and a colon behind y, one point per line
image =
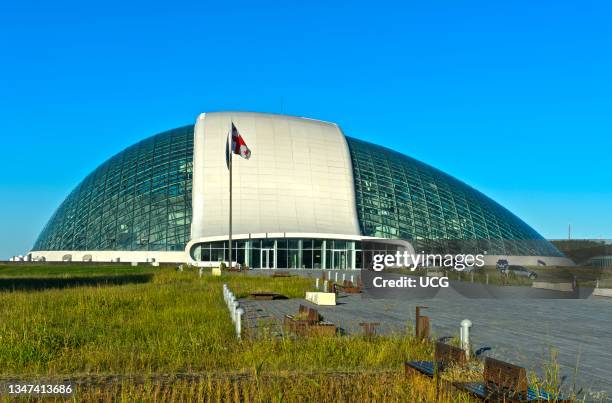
x: 400, y: 197
x: 140, y: 200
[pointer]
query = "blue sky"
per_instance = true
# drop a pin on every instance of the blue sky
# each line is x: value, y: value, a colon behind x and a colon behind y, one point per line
x: 514, y: 99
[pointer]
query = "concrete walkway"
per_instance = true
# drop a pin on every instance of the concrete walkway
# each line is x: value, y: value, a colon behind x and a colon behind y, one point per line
x: 519, y: 331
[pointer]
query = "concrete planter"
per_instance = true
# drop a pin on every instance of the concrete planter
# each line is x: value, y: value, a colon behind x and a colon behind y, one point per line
x: 321, y: 298
x: 603, y: 292
x: 566, y: 287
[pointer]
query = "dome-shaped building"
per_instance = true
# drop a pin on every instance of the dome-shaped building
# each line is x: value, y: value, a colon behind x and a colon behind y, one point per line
x: 308, y: 197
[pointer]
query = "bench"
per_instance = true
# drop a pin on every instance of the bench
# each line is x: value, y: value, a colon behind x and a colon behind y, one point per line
x: 444, y: 355
x: 264, y: 296
x: 306, y: 316
x: 312, y: 315
x: 505, y: 382
x: 349, y: 288
x: 308, y: 323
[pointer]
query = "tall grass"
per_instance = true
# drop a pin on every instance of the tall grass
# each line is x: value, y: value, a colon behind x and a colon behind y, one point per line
x: 171, y: 338
x: 175, y: 323
x: 347, y: 387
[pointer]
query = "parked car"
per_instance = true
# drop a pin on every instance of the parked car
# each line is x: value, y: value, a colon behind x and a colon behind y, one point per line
x: 521, y: 271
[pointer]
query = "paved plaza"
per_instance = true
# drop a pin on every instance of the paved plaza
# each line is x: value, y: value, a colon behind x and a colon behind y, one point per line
x: 521, y: 331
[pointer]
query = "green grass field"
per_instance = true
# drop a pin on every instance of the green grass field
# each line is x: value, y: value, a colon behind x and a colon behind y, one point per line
x: 145, y: 334
x: 137, y: 332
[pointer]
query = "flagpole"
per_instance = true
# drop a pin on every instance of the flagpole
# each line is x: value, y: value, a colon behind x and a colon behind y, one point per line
x: 231, y: 151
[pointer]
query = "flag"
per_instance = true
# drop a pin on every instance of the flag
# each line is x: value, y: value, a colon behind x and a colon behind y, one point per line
x: 238, y: 146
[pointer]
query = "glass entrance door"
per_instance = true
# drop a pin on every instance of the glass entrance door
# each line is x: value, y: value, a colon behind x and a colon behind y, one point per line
x: 339, y: 259
x: 267, y: 258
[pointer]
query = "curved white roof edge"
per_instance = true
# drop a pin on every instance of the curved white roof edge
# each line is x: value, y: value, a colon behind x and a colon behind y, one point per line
x: 202, y: 115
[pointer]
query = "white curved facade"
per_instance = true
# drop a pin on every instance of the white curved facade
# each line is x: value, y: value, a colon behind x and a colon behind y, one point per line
x: 299, y: 178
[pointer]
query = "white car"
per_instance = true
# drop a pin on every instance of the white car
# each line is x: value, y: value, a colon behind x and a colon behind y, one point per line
x: 521, y: 271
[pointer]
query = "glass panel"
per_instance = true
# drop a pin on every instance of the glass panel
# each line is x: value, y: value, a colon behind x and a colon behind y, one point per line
x: 281, y: 258
x: 358, y: 260
x: 339, y: 259
x: 206, y: 255
x: 307, y: 259
x: 267, y: 258
x: 317, y: 260
x: 217, y: 255
x: 256, y: 258
x: 239, y: 256
x: 294, y: 259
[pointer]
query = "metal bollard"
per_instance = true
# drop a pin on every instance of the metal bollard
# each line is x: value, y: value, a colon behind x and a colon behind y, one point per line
x: 596, y: 283
x: 317, y: 284
x: 335, y: 277
x: 465, y: 336
x: 487, y: 277
x: 239, y: 313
